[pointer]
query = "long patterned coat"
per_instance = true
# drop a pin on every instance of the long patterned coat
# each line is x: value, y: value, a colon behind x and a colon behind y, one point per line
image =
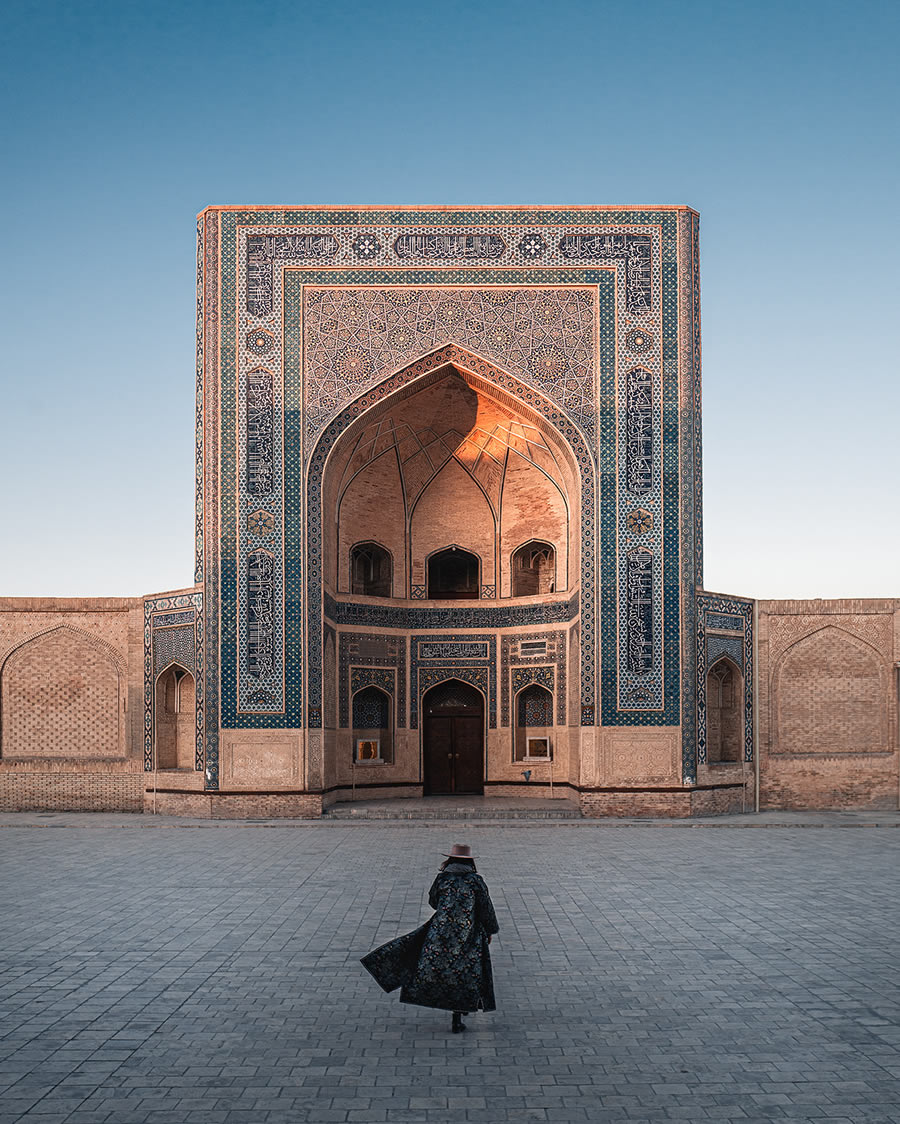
x: 446, y: 962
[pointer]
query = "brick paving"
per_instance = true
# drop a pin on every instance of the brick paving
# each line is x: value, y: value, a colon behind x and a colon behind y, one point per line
x: 187, y: 972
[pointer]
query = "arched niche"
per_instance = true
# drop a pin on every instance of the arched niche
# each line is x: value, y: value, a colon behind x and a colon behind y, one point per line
x: 724, y: 712
x: 371, y: 570
x: 176, y: 717
x: 400, y: 417
x: 453, y: 574
x: 372, y: 727
x: 534, y: 724
x: 61, y: 696
x: 828, y: 696
x: 533, y: 569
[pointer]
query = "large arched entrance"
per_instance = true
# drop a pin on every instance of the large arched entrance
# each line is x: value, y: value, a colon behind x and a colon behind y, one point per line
x: 453, y: 740
x: 445, y: 479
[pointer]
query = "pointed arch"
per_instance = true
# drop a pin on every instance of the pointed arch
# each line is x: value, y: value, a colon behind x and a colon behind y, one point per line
x: 724, y: 712
x: 62, y: 695
x: 175, y: 717
x: 828, y: 691
x: 564, y: 438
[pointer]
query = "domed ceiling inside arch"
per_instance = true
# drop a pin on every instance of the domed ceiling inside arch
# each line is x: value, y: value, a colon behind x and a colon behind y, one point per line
x: 451, y: 420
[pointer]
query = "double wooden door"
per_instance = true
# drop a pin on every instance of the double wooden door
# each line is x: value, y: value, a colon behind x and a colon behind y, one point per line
x: 453, y: 741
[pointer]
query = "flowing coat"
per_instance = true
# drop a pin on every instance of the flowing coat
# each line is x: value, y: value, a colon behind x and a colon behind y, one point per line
x: 445, y: 962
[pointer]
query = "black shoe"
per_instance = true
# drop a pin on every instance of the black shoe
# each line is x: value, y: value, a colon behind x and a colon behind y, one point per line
x: 458, y: 1024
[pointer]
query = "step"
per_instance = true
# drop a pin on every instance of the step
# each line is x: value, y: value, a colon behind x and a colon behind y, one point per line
x: 446, y: 810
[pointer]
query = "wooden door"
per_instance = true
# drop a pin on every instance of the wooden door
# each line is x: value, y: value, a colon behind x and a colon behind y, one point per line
x: 453, y: 741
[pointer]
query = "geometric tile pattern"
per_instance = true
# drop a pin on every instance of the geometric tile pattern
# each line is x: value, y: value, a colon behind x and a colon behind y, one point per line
x: 353, y: 336
x: 520, y: 667
x: 724, y: 627
x: 371, y: 659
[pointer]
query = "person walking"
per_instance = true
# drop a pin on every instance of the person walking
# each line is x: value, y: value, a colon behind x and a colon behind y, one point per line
x: 445, y: 963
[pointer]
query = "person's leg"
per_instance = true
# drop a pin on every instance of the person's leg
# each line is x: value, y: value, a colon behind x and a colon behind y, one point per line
x: 458, y: 1024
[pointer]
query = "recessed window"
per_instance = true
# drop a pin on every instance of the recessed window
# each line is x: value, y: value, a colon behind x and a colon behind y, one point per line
x: 533, y: 569
x: 453, y: 574
x: 370, y: 570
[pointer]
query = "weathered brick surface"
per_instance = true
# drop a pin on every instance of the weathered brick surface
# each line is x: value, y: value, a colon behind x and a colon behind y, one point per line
x: 827, y: 704
x: 234, y: 805
x: 82, y: 791
x: 71, y: 688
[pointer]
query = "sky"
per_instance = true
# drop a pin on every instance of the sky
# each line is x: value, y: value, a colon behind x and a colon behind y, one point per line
x: 120, y: 120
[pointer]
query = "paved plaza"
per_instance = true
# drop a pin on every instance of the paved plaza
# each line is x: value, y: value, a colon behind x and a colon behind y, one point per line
x: 196, y: 972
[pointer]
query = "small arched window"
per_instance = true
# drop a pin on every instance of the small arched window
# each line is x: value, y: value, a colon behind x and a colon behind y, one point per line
x: 534, y: 569
x: 370, y: 570
x: 453, y: 573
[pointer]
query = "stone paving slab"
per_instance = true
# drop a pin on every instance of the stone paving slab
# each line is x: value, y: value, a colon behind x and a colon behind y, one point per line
x: 658, y: 974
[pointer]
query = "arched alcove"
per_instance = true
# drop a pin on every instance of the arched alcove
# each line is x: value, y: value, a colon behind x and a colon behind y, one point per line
x: 827, y: 691
x: 456, y: 434
x: 533, y: 569
x: 372, y: 727
x: 370, y: 570
x: 449, y: 450
x: 176, y: 714
x: 453, y: 574
x: 534, y: 724
x: 61, y: 696
x: 724, y: 712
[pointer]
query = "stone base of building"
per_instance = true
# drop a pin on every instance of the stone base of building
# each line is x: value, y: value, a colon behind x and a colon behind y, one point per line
x: 665, y: 803
x: 234, y: 805
x: 71, y: 792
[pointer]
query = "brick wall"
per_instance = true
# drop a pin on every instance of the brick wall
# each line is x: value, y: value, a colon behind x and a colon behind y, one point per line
x: 828, y: 703
x: 71, y: 703
x: 88, y: 791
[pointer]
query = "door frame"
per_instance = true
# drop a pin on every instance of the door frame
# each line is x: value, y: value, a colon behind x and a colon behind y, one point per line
x: 423, y: 723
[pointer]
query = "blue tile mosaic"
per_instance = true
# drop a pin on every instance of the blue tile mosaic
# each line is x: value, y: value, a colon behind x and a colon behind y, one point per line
x: 255, y: 269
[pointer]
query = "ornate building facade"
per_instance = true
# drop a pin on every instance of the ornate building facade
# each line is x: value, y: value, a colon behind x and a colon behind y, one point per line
x: 448, y: 540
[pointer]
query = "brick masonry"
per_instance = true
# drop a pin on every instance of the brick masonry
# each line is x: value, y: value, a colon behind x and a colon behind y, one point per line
x: 827, y: 706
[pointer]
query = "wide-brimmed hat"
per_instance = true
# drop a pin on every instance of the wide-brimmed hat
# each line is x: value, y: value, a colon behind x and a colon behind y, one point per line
x: 459, y: 851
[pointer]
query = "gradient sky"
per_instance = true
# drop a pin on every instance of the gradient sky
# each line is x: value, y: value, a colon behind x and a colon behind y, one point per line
x: 776, y: 120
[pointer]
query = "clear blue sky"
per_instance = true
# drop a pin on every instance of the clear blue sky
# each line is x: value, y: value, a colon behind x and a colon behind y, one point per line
x: 776, y: 120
